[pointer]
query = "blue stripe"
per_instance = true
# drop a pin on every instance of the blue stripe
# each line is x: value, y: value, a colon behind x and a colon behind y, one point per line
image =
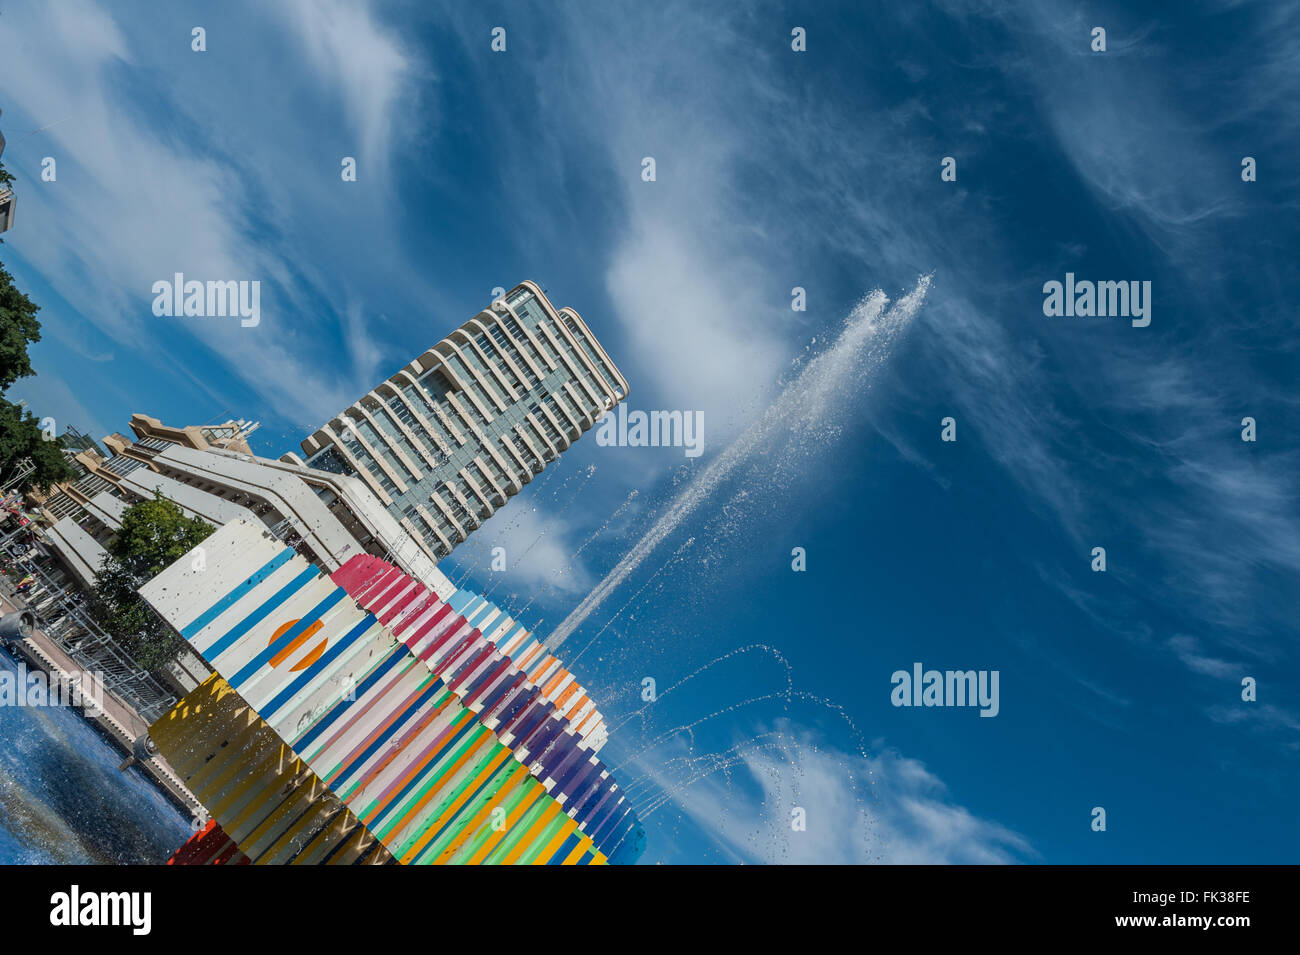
x: 501, y: 773
x: 260, y: 614
x: 311, y: 673
x: 307, y: 619
x: 568, y: 845
x: 397, y: 726
x: 397, y: 655
x: 433, y: 768
x: 230, y: 599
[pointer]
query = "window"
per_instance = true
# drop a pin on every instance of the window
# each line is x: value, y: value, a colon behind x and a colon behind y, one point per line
x: 329, y: 459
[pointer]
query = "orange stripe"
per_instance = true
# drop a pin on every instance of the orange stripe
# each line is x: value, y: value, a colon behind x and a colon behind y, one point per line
x: 481, y: 816
x: 454, y: 808
x: 567, y: 694
x: 578, y: 852
x: 296, y: 642
x: 553, y: 846
x: 554, y: 682
x: 530, y: 797
x: 529, y: 655
x: 409, y: 736
x: 542, y: 821
x: 414, y: 771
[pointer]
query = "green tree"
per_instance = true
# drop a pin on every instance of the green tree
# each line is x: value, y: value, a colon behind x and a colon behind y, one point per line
x: 21, y: 437
x: 154, y: 535
x: 18, y: 329
x: 20, y: 431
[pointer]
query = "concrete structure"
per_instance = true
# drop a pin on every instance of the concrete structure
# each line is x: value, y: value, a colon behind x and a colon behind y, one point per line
x: 526, y: 696
x: 327, y: 517
x: 83, y: 455
x: 271, y: 808
x: 84, y: 555
x: 394, y: 737
x: 8, y: 202
x: 450, y: 437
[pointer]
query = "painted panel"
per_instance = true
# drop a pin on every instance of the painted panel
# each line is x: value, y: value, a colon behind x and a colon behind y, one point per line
x: 507, y: 698
x: 266, y: 806
x: 380, y: 729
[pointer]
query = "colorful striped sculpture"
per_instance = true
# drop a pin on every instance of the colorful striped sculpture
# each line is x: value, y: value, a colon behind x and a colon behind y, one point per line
x: 381, y: 729
x: 537, y: 709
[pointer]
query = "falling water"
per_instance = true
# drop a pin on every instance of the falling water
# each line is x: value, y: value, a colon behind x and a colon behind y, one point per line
x: 803, y: 410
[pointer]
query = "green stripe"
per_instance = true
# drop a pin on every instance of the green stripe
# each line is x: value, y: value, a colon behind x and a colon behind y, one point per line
x: 432, y: 777
x: 507, y: 805
x: 549, y: 833
x: 348, y: 794
x: 516, y: 834
x: 470, y: 771
x: 471, y: 809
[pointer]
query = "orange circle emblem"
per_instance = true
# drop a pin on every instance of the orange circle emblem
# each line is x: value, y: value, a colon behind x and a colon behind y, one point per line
x: 312, y: 655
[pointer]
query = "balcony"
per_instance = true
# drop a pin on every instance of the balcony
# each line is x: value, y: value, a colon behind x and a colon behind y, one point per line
x: 7, y: 203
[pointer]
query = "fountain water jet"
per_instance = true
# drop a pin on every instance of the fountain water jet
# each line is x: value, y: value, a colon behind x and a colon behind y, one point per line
x: 801, y: 409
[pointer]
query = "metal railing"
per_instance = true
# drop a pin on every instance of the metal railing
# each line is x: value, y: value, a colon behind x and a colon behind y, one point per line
x: 61, y: 616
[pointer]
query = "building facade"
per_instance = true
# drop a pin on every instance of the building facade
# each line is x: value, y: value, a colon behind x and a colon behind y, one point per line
x: 209, y: 473
x: 449, y: 438
x: 7, y: 200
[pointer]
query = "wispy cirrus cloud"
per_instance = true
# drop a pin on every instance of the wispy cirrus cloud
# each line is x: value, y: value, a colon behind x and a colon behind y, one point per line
x: 1188, y: 649
x: 154, y: 180
x: 887, y: 808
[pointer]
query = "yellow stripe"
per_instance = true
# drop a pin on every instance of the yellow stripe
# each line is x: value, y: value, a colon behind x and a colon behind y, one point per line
x: 531, y: 795
x: 547, y: 815
x: 553, y: 846
x: 578, y: 852
x: 456, y: 805
x: 481, y: 816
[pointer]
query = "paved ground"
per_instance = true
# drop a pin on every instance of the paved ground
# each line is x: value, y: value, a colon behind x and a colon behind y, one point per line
x: 121, y: 722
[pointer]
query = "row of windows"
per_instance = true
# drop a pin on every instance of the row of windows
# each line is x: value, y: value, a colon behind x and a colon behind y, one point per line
x: 329, y: 459
x: 92, y: 484
x: 62, y: 505
x: 121, y: 465
x: 492, y: 360
x: 588, y: 350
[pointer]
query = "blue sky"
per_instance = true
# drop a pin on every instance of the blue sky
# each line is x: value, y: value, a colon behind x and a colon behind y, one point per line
x: 775, y: 169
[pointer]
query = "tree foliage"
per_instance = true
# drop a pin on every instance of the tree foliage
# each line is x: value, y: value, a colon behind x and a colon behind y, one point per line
x: 154, y: 535
x: 20, y: 431
x: 18, y: 329
x: 21, y: 437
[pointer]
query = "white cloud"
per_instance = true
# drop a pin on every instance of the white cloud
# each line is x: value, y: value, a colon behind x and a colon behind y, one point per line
x: 183, y: 182
x: 883, y: 809
x: 1188, y: 650
x: 698, y: 341
x: 539, y: 548
x: 364, y: 64
x: 1259, y: 716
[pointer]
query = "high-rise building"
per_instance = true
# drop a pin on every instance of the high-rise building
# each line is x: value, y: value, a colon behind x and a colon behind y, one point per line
x: 450, y: 437
x: 7, y: 200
